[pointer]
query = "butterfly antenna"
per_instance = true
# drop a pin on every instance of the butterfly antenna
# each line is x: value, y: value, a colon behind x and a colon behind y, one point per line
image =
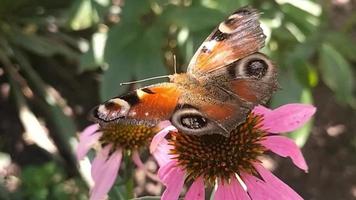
x: 175, y: 64
x: 143, y: 80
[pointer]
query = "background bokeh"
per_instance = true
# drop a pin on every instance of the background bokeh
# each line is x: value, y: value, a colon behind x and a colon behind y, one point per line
x: 58, y: 59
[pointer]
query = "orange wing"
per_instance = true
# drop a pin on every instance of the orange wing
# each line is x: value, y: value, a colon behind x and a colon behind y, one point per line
x: 156, y: 102
x: 238, y: 36
x: 147, y: 105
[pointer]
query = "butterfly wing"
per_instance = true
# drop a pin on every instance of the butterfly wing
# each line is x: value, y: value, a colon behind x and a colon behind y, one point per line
x: 231, y: 77
x: 148, y: 105
x: 236, y: 37
x: 225, y: 100
x: 215, y: 95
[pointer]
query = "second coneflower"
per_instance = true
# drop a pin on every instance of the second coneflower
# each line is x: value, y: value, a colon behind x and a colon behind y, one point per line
x: 114, y: 140
x: 232, y: 163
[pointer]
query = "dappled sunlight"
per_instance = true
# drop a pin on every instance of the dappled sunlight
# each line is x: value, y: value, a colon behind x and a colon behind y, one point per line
x: 35, y: 132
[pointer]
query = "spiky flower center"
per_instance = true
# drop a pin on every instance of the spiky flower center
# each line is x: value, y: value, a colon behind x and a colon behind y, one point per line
x: 127, y: 136
x: 219, y: 157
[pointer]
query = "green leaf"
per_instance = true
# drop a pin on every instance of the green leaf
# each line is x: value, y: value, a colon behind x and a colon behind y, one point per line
x: 94, y: 57
x: 133, y: 10
x: 297, y: 59
x: 41, y: 45
x: 336, y: 73
x: 102, y: 7
x: 300, y: 19
x: 62, y: 126
x: 306, y: 74
x: 82, y: 15
x: 225, y: 6
x: 9, y: 6
x: 303, y: 51
x: 4, y: 193
x: 291, y: 90
x: 195, y: 18
x: 343, y: 43
x: 283, y: 35
x: 117, y: 192
x: 188, y: 47
x: 121, y: 36
x: 37, y: 180
x: 131, y: 55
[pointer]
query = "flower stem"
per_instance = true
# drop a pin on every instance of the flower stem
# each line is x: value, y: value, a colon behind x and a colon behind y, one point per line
x: 129, y: 183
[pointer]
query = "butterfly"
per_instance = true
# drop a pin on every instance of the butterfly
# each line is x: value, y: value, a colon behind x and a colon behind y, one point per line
x: 225, y: 79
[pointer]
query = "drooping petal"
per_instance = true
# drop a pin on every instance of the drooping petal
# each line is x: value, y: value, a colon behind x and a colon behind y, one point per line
x: 196, y: 190
x: 173, y: 178
x: 286, y: 147
x: 87, y: 139
x: 270, y: 186
x: 160, y: 135
x: 232, y: 190
x: 161, y: 153
x: 137, y: 160
x: 287, y: 118
x: 99, y: 161
x: 105, y: 168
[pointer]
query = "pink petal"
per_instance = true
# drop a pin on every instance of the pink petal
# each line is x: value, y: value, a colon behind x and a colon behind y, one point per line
x: 261, y: 110
x: 287, y: 117
x: 270, y: 188
x: 258, y: 189
x: 164, y: 124
x: 286, y: 147
x: 87, y: 139
x: 231, y: 191
x: 160, y: 136
x: 105, y: 168
x: 173, y: 178
x: 161, y: 154
x: 137, y: 160
x: 196, y: 190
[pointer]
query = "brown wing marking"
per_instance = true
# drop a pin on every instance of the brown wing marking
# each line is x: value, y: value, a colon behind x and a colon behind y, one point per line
x: 243, y: 90
x: 226, y: 116
x: 238, y: 36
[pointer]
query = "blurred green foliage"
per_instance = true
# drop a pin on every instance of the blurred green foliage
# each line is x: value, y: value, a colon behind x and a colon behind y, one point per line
x: 136, y: 39
x: 299, y: 39
x: 48, y: 181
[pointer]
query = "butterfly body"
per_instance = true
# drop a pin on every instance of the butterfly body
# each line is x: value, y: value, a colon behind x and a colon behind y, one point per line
x: 225, y: 79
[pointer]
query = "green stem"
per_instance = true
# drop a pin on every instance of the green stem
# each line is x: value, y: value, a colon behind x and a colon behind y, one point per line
x: 129, y: 172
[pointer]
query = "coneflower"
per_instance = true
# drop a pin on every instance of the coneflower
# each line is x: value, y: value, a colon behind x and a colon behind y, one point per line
x: 232, y: 164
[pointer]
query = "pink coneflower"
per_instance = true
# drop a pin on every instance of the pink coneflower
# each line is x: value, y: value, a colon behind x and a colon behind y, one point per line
x: 114, y: 140
x: 232, y: 164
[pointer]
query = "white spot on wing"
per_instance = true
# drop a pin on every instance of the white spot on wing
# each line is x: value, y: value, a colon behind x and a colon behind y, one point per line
x: 133, y: 114
x: 140, y: 93
x: 107, y: 114
x: 209, y: 45
x: 225, y: 28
